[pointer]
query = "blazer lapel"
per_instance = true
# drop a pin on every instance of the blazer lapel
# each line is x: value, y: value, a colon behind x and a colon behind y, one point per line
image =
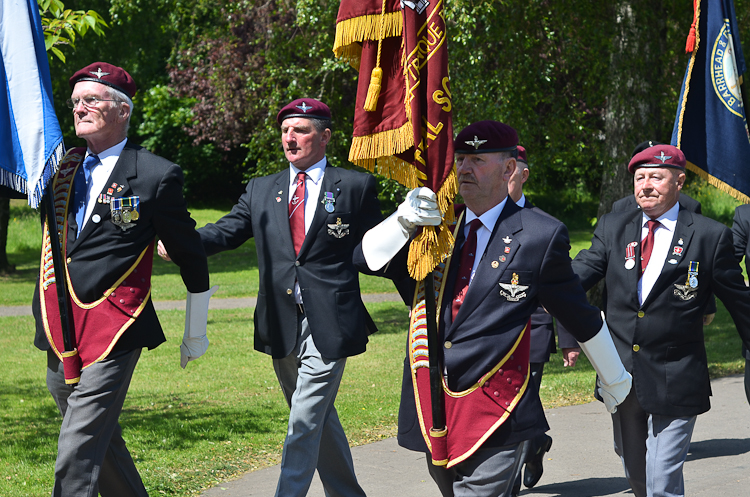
x: 683, y: 232
x: 486, y: 278
x: 280, y: 207
x: 330, y: 181
x: 125, y: 169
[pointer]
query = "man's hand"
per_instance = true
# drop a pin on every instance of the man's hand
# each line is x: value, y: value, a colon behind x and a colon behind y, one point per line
x: 162, y: 251
x: 381, y: 243
x: 570, y: 356
x: 708, y: 319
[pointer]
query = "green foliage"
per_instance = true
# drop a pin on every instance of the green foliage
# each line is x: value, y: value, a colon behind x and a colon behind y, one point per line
x: 61, y: 25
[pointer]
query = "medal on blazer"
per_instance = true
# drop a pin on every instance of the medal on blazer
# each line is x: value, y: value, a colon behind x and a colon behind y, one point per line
x: 125, y: 211
x: 630, y: 255
x: 338, y: 230
x: 328, y: 202
x: 690, y: 289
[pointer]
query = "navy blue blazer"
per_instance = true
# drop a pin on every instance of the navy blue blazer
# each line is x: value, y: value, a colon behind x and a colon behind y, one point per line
x: 328, y: 279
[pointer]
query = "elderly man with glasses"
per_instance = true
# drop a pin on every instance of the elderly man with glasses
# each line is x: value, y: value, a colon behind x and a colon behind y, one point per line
x: 113, y: 199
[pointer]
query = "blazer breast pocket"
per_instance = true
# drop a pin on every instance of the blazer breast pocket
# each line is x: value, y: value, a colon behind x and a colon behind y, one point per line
x: 338, y: 226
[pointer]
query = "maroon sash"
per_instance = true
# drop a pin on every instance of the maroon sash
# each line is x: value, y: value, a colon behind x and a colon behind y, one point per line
x: 97, y: 325
x: 472, y: 415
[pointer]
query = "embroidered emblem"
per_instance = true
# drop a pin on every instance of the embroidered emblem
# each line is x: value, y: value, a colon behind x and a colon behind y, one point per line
x: 513, y: 292
x: 304, y: 107
x: 338, y: 230
x: 476, y: 142
x: 663, y: 158
x: 684, y: 292
x: 99, y: 73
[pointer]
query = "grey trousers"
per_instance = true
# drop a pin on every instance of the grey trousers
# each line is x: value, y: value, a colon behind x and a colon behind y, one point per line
x: 652, y: 448
x: 92, y: 458
x: 489, y: 472
x: 315, y: 437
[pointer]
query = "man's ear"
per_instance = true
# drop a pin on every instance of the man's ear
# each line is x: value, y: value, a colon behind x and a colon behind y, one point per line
x: 680, y: 180
x: 524, y: 175
x: 510, y: 168
x: 124, y: 111
x: 326, y: 136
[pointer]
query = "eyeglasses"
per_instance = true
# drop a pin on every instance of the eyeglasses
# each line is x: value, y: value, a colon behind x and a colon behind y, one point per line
x: 89, y: 102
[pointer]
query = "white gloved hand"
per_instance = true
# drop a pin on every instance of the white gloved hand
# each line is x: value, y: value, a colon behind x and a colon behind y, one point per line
x: 382, y: 242
x: 614, y: 381
x: 195, y: 341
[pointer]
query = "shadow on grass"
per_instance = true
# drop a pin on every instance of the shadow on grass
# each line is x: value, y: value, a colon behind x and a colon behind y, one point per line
x: 391, y: 318
x: 30, y: 422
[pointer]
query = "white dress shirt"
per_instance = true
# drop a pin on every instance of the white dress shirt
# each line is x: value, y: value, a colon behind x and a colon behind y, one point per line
x: 313, y: 182
x: 100, y: 174
x: 663, y: 235
x: 488, y: 219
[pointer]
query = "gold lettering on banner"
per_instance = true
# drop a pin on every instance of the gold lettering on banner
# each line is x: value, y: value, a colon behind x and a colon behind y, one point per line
x: 430, y: 38
x: 432, y: 131
x: 439, y: 98
x: 418, y: 153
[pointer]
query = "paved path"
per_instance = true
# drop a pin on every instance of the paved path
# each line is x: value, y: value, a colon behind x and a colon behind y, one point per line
x: 580, y: 464
x: 214, y: 303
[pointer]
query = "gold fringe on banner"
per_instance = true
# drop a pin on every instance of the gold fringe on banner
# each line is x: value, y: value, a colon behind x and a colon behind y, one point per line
x: 713, y: 181
x: 381, y: 144
x: 434, y: 244
x: 352, y: 55
x: 362, y: 28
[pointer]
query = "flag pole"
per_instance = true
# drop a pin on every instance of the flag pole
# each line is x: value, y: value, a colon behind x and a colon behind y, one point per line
x: 433, y: 346
x: 59, y: 267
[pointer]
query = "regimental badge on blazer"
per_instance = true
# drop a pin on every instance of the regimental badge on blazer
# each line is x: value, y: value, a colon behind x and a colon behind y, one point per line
x: 125, y: 211
x: 338, y: 230
x: 512, y: 291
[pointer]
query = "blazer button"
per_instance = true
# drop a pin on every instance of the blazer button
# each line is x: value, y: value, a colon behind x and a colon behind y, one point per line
x: 132, y: 290
x: 288, y: 291
x: 500, y: 371
x: 510, y: 380
x: 636, y: 347
x: 448, y: 344
x: 296, y: 263
x: 641, y: 314
x: 496, y: 394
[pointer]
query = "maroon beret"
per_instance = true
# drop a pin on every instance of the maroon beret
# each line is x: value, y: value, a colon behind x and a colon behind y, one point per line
x: 522, y: 154
x: 485, y: 136
x: 304, y: 107
x: 106, y: 74
x: 658, y: 156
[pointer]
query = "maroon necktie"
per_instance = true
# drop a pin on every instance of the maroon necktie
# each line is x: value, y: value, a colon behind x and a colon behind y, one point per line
x: 465, y: 266
x: 647, y: 244
x: 297, y: 213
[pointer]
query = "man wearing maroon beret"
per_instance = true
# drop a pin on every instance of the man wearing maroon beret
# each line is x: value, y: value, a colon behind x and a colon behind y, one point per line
x: 113, y: 198
x: 506, y: 262
x: 661, y: 265
x: 306, y: 221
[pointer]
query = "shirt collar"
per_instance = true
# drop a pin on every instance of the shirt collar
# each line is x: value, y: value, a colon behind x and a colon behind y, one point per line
x: 668, y: 219
x: 110, y: 152
x: 522, y: 201
x: 314, y: 172
x: 489, y: 218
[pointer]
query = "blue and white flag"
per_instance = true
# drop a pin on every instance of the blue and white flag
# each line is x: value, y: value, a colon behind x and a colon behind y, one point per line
x: 711, y: 125
x: 31, y: 143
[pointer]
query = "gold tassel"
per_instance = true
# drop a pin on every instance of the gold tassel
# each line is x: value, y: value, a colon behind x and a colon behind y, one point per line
x: 373, y: 92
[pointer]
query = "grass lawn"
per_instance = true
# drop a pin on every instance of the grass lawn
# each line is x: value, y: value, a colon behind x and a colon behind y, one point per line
x: 224, y: 415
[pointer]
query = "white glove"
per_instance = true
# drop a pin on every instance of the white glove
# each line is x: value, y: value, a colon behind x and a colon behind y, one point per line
x: 382, y: 242
x: 614, y: 381
x: 195, y: 341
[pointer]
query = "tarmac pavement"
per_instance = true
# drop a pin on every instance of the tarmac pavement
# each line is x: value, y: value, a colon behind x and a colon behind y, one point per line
x: 581, y: 462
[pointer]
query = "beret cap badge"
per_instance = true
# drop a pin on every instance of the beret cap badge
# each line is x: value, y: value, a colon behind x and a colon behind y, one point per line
x: 476, y: 142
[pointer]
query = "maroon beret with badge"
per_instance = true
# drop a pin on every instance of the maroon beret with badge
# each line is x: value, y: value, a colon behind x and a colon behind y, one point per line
x: 304, y: 107
x: 106, y: 74
x: 658, y: 156
x: 522, y: 154
x: 484, y: 137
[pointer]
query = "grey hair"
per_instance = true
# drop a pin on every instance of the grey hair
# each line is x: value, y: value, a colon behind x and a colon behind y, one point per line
x: 121, y: 97
x: 321, y: 125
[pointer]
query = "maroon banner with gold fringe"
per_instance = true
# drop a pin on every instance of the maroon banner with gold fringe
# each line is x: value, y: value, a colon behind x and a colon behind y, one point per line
x: 402, y: 120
